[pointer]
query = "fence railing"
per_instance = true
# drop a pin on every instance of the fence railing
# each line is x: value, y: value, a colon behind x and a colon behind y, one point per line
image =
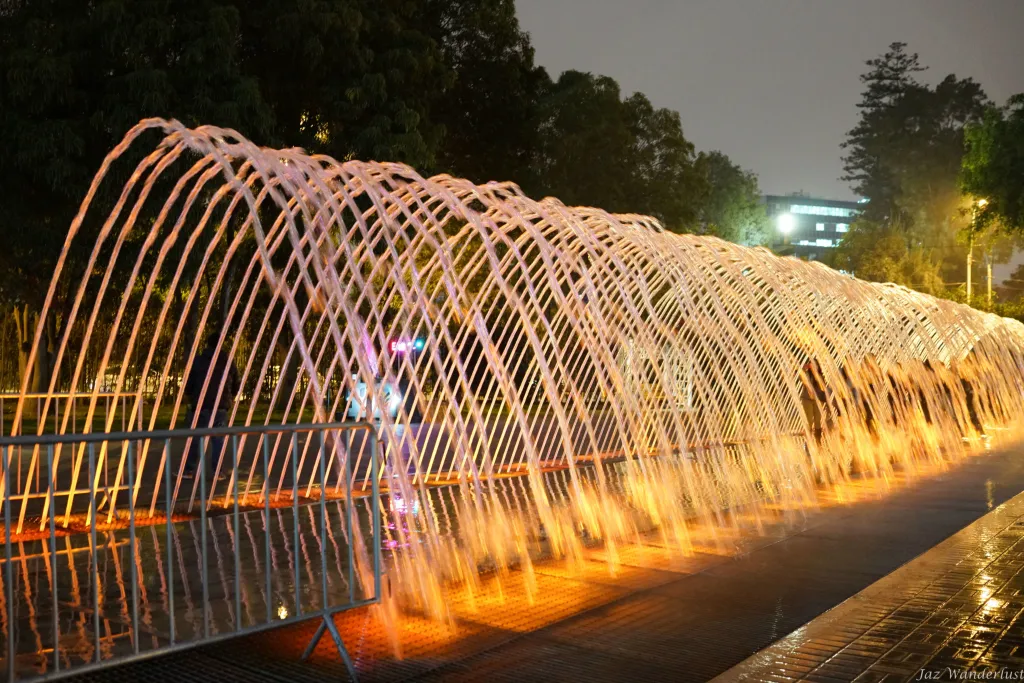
x: 196, y: 566
x: 126, y: 410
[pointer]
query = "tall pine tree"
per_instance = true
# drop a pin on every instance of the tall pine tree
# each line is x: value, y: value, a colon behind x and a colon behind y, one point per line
x: 905, y: 153
x: 872, y: 144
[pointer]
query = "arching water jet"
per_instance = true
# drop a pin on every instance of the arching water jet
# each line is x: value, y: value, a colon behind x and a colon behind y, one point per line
x: 574, y: 378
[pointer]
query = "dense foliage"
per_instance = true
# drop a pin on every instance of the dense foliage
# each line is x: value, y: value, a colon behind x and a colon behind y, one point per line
x: 907, y: 157
x: 993, y: 166
x: 452, y: 86
x: 448, y: 86
x: 731, y: 206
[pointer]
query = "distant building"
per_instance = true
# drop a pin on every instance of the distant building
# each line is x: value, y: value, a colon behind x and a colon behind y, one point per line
x: 809, y: 227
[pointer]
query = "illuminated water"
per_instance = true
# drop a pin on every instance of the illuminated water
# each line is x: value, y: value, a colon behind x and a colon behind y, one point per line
x: 508, y: 336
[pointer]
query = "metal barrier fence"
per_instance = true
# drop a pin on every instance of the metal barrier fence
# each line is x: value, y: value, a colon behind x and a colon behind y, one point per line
x: 127, y: 410
x: 246, y: 557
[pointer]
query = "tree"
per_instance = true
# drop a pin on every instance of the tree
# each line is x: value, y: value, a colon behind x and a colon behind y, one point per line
x: 76, y: 76
x: 881, y: 252
x: 490, y: 110
x: 871, y: 143
x: 346, y: 77
x: 993, y: 166
x: 621, y: 155
x: 905, y: 153
x: 1013, y: 286
x: 583, y: 134
x: 341, y: 77
x: 661, y: 173
x: 731, y: 206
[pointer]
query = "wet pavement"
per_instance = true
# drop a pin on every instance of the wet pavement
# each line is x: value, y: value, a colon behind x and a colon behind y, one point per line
x: 954, y: 613
x: 691, y: 619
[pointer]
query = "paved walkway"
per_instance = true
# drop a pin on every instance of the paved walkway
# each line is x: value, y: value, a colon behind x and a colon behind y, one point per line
x: 953, y: 613
x: 692, y: 620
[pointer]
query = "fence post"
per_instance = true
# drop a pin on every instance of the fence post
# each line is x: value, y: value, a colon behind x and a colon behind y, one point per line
x: 233, y: 480
x: 323, y: 515
x: 374, y: 469
x: 12, y: 631
x: 266, y: 524
x: 350, y: 517
x: 92, y: 551
x: 169, y: 529
x: 295, y: 521
x: 134, y: 630
x: 204, y: 571
x: 53, y: 555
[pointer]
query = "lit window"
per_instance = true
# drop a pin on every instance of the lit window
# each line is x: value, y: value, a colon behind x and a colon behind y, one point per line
x: 824, y: 243
x: 821, y: 210
x: 820, y: 227
x: 806, y: 243
x: 842, y: 227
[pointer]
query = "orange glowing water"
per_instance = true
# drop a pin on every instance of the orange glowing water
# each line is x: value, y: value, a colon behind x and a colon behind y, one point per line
x: 638, y: 383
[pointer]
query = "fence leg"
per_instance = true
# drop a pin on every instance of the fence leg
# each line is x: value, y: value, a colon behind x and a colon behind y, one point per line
x: 316, y: 639
x: 328, y: 625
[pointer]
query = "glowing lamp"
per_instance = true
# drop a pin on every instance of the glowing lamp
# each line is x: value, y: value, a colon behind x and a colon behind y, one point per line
x: 419, y: 344
x: 786, y: 223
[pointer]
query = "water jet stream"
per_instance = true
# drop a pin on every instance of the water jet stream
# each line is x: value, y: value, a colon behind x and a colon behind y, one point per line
x: 664, y: 381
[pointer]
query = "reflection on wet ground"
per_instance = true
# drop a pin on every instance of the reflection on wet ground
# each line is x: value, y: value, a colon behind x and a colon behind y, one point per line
x: 953, y: 613
x: 660, y: 616
x: 173, y: 603
x: 172, y: 599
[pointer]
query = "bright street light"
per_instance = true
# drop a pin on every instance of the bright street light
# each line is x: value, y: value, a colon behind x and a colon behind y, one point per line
x: 786, y: 223
x: 983, y: 203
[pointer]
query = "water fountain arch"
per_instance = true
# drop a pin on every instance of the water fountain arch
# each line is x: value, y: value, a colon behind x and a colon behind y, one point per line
x: 487, y: 331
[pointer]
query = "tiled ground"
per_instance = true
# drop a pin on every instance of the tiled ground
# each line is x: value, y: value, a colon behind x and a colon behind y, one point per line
x: 670, y: 619
x: 954, y: 613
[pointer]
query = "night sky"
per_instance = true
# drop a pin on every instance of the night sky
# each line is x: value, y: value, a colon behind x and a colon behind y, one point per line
x: 774, y: 83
